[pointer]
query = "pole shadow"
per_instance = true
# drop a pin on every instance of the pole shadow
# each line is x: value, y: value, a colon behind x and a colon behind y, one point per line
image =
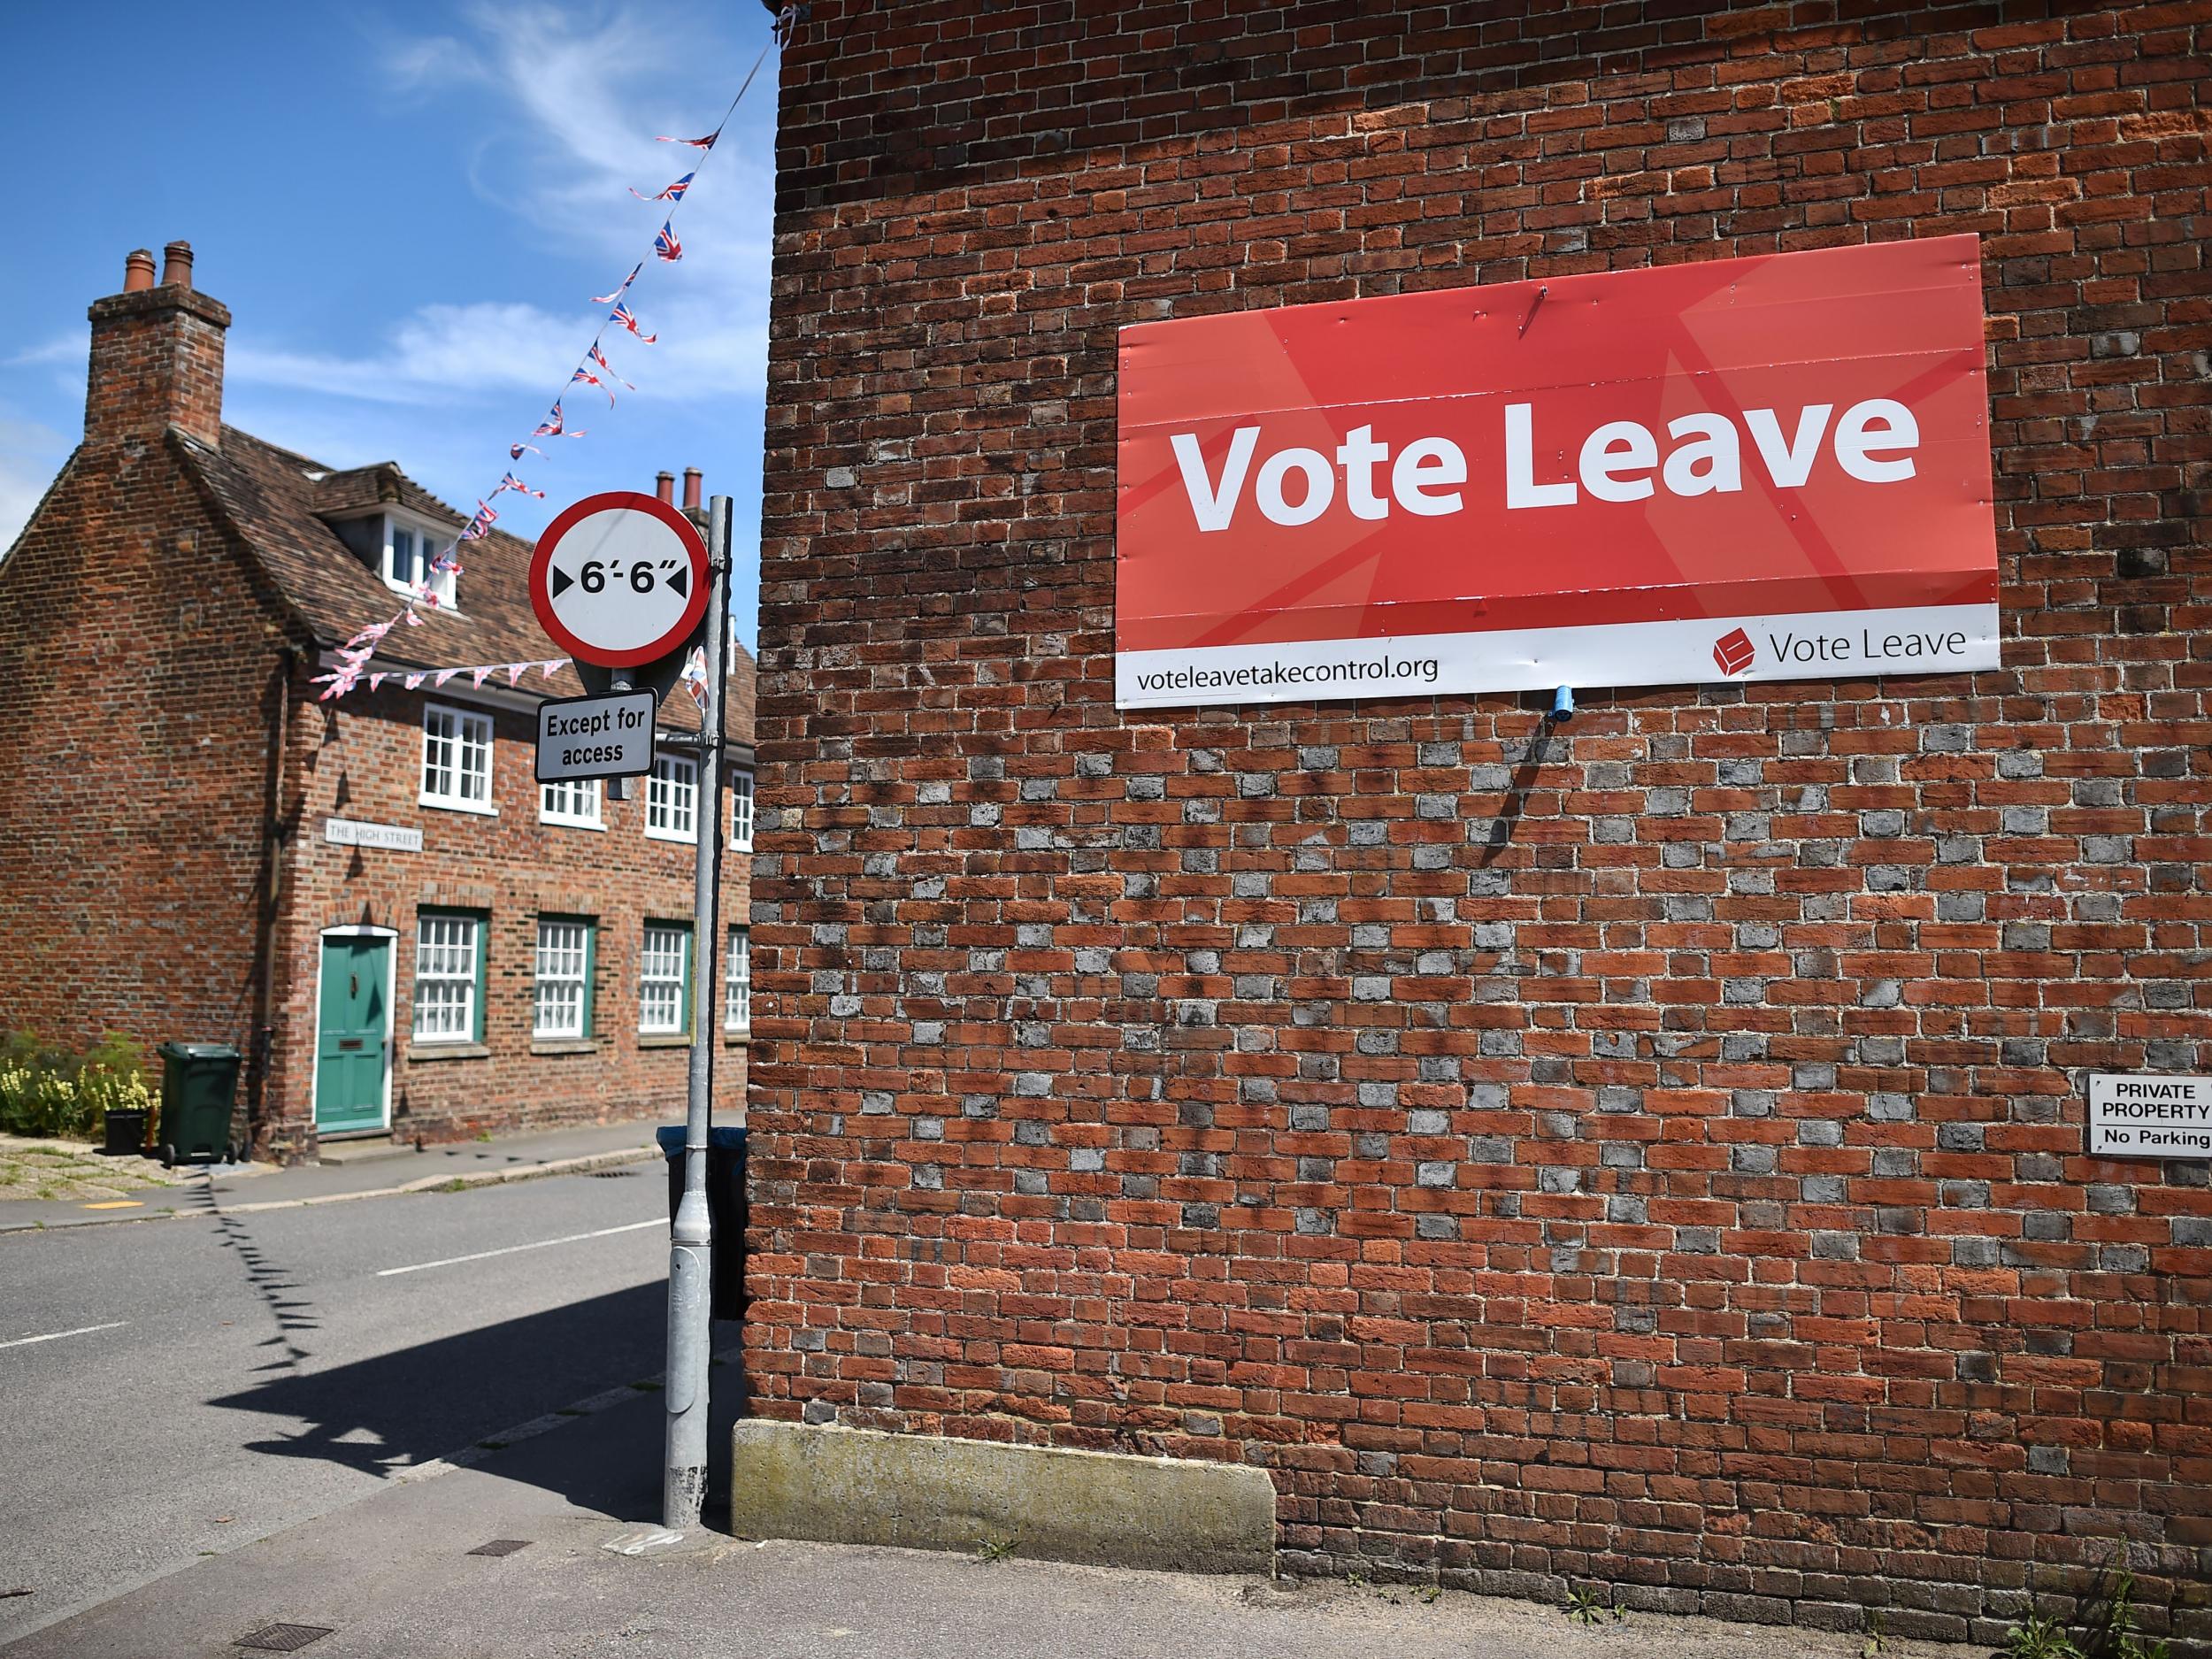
x: 387, y: 1414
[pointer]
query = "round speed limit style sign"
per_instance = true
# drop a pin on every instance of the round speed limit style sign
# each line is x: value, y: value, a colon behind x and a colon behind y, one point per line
x: 620, y: 579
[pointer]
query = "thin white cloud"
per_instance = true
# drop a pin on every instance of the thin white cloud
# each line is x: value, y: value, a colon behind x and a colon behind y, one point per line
x: 590, y: 94
x: 497, y: 349
x: 465, y: 349
x: 70, y: 347
x: 30, y: 454
x: 430, y: 60
x: 585, y: 94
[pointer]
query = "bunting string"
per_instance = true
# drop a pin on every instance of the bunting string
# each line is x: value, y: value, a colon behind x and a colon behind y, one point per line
x: 353, y: 667
x: 592, y: 370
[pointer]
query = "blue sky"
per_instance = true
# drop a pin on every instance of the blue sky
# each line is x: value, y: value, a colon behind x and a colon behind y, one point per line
x: 407, y: 210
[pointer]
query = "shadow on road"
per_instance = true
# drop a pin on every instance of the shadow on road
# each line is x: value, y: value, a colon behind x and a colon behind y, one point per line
x: 264, y: 1278
x: 385, y: 1415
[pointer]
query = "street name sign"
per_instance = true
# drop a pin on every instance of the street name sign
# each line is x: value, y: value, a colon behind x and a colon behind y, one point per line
x: 2147, y: 1116
x: 347, y: 832
x: 596, y: 737
x: 620, y: 579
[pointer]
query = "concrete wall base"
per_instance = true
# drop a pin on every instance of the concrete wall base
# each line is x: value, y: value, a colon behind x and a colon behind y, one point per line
x: 841, y: 1485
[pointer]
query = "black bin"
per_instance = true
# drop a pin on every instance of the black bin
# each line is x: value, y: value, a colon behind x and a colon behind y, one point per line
x: 198, y: 1082
x: 725, y: 1210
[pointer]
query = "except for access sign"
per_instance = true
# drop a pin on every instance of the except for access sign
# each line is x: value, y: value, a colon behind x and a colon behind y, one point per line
x: 2147, y: 1116
x: 1773, y: 468
x: 596, y: 737
x: 620, y: 579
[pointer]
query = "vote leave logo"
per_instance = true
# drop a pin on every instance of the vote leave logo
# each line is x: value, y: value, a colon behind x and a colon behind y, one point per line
x: 1575, y: 479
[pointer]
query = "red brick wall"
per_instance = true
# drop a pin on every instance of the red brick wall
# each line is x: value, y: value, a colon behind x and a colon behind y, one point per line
x: 138, y: 758
x: 1651, y: 1155
x: 159, y: 358
x: 362, y: 759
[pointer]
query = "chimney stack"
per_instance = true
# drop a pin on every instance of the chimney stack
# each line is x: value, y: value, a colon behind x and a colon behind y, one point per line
x: 157, y: 356
x: 691, y: 489
x: 664, y: 488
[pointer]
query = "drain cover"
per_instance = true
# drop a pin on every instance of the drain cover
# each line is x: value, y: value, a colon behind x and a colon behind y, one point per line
x: 610, y: 1175
x: 283, y: 1638
x: 501, y: 1546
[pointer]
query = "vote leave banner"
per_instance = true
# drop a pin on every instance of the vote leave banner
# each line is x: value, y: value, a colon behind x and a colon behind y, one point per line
x: 1773, y: 468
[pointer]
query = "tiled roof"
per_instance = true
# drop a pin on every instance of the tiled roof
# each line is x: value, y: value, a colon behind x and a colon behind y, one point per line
x: 277, y: 502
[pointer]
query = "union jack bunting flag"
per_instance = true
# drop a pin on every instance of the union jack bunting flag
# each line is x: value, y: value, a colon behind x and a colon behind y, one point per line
x: 674, y: 192
x: 696, y: 143
x: 624, y: 287
x: 589, y: 379
x: 508, y: 481
x: 553, y: 428
x: 621, y: 314
x: 666, y: 245
x: 479, y: 525
x: 600, y: 357
x: 514, y: 450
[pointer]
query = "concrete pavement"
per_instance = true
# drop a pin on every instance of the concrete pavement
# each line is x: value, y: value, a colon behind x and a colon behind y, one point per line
x: 248, y: 1187
x: 187, y: 1386
x: 395, y: 1574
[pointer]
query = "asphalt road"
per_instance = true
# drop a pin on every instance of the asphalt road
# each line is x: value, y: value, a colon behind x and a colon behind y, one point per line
x: 173, y: 1389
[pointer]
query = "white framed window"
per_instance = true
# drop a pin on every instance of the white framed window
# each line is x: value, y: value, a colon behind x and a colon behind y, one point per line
x: 737, y: 983
x: 574, y: 802
x: 564, y: 979
x: 742, y: 812
x: 410, y: 550
x: 664, y: 999
x: 672, y: 799
x: 457, y: 759
x: 449, y: 976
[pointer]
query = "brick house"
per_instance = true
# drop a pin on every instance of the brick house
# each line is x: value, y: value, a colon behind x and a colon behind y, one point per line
x: 1653, y: 1155
x: 372, y: 897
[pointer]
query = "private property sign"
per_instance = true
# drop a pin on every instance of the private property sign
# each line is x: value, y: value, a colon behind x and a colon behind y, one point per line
x: 2149, y: 1116
x: 1774, y: 468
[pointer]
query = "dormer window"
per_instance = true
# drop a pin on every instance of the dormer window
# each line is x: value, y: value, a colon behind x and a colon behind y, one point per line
x: 410, y: 549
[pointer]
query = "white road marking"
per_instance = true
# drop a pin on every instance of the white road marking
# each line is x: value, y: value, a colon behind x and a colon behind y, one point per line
x: 454, y: 1261
x: 56, y: 1336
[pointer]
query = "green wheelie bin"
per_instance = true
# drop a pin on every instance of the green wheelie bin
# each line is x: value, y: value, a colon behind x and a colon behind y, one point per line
x: 198, y: 1082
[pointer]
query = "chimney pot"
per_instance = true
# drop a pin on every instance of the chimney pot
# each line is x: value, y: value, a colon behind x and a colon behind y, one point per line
x: 156, y: 355
x: 691, y: 487
x: 664, y: 487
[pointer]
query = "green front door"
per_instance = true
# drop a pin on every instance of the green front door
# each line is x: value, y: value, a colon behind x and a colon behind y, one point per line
x: 350, y: 1051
